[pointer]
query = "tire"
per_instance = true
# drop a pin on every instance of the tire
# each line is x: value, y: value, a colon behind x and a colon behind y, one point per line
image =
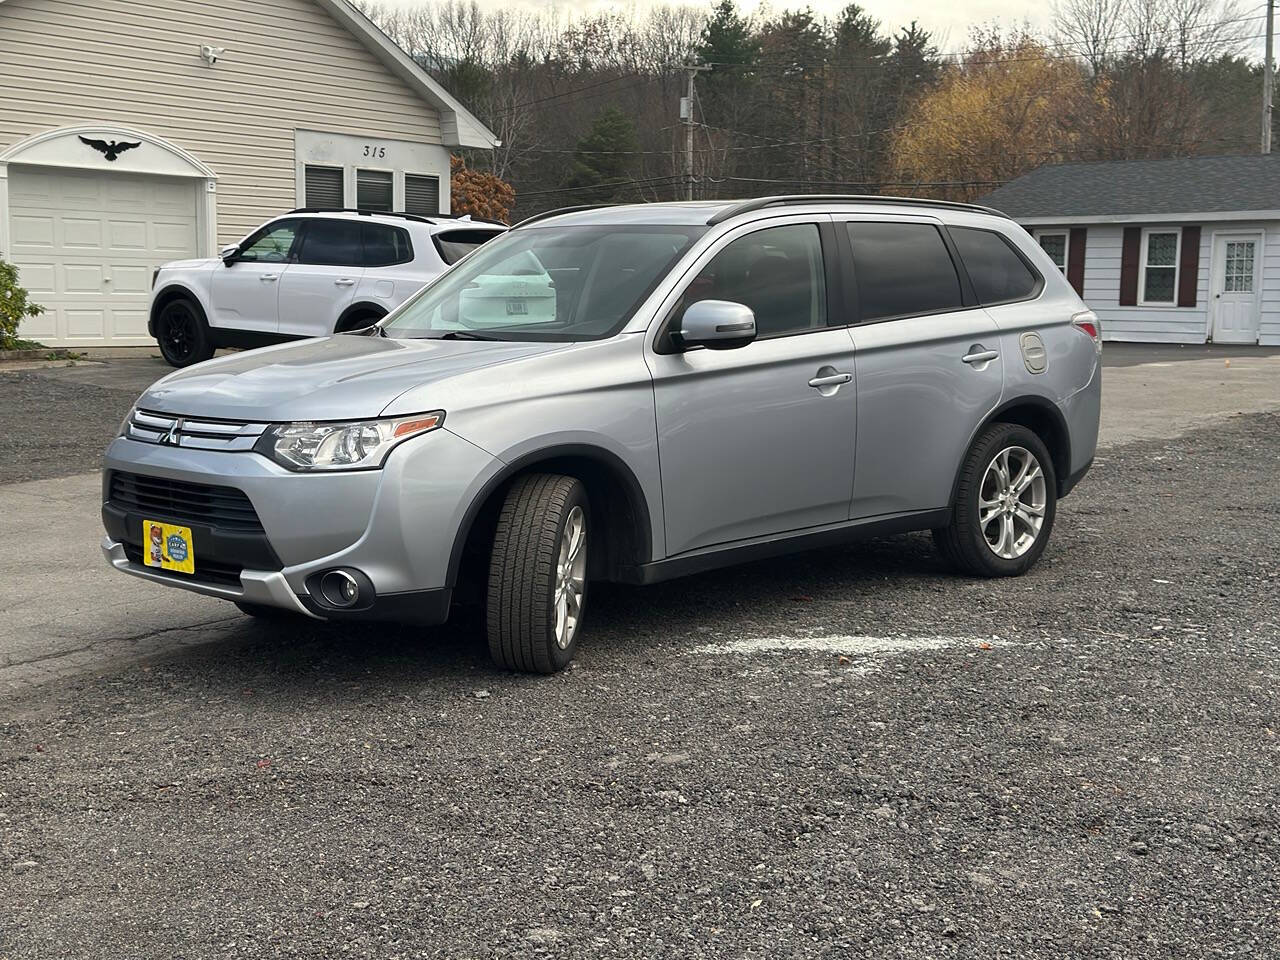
x: 183, y: 333
x: 262, y: 612
x: 1009, y: 543
x: 528, y: 605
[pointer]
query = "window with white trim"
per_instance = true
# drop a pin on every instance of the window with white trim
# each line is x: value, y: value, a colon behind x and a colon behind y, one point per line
x: 374, y: 190
x: 323, y: 186
x: 1056, y: 244
x: 1158, y: 266
x: 421, y: 195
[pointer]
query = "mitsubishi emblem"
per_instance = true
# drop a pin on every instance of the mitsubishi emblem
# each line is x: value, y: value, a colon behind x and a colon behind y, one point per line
x: 174, y: 435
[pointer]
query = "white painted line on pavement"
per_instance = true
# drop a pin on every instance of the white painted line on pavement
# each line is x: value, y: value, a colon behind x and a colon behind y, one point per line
x: 864, y: 648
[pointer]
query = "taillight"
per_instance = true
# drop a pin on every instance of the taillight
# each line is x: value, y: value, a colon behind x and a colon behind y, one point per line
x: 1087, y: 323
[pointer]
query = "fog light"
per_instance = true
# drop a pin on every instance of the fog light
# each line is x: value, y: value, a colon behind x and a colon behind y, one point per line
x: 339, y: 588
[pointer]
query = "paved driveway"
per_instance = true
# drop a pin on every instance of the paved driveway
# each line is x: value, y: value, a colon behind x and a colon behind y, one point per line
x: 845, y: 753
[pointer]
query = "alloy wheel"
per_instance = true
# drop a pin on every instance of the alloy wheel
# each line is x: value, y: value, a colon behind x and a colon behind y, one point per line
x: 1011, y: 502
x: 179, y: 332
x: 571, y: 571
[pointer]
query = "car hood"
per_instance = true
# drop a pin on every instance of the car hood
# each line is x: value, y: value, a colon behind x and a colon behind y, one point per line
x: 189, y: 264
x: 332, y: 378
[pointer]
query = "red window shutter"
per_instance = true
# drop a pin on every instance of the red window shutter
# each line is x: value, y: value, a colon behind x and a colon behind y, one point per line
x: 1189, y: 266
x: 1129, y: 266
x: 1075, y: 259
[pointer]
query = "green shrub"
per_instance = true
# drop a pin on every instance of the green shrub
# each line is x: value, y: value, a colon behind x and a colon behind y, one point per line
x: 14, y: 305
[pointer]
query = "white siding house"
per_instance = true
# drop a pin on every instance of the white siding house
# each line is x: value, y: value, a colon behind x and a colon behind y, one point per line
x: 1169, y: 251
x: 135, y: 132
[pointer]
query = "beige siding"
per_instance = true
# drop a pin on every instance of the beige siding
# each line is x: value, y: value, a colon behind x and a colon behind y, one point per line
x: 287, y: 65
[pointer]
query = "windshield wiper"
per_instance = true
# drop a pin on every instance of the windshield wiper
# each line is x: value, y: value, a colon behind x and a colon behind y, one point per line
x: 465, y: 335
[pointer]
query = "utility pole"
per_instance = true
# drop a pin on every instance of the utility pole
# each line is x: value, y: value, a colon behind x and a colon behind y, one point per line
x: 1267, y: 78
x: 686, y: 117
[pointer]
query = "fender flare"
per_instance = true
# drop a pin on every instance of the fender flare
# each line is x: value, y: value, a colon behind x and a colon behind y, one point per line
x: 634, y: 492
x: 360, y: 306
x: 1043, y: 405
x: 168, y: 292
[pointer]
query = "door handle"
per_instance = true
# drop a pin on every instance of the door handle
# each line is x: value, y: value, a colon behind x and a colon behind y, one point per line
x: 980, y: 356
x: 269, y: 276
x: 344, y: 282
x: 831, y: 380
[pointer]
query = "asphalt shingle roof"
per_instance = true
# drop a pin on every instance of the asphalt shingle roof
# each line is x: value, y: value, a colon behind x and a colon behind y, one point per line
x: 1137, y: 187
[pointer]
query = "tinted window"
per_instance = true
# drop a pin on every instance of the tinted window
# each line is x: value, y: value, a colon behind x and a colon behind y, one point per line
x: 384, y: 245
x: 776, y: 272
x: 331, y: 243
x: 997, y: 272
x: 902, y: 269
x: 456, y: 244
x: 272, y: 244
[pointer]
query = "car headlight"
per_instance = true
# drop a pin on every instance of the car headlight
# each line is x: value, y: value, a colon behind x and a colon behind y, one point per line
x: 353, y: 445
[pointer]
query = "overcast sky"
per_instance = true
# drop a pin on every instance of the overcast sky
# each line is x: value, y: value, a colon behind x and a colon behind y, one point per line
x: 948, y: 21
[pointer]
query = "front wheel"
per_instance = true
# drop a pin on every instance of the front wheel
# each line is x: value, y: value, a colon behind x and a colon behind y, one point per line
x: 537, y: 591
x: 1005, y: 504
x: 183, y: 333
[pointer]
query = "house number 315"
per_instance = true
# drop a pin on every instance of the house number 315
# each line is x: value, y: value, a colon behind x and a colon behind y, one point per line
x: 371, y: 151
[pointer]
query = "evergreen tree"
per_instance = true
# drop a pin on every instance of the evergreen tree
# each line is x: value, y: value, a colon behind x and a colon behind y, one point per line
x: 727, y: 38
x: 602, y: 160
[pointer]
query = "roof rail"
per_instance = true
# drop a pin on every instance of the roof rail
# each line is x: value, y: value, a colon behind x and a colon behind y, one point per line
x: 548, y: 214
x: 431, y: 218
x: 760, y: 203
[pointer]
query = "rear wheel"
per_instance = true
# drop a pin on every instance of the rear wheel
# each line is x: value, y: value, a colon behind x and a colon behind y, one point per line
x: 358, y: 321
x: 183, y: 333
x: 1005, y: 504
x: 538, y: 574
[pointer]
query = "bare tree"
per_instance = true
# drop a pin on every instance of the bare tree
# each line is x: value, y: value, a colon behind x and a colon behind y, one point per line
x: 1089, y: 28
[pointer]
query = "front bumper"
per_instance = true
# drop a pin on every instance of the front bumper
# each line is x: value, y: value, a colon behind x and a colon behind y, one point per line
x: 396, y: 525
x: 266, y: 587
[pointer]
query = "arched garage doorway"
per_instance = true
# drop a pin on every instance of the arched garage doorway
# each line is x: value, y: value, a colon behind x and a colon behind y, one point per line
x: 87, y: 213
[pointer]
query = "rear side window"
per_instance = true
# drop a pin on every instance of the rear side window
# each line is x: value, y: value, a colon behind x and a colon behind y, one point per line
x: 384, y: 245
x: 334, y: 243
x: 453, y: 245
x: 997, y: 272
x: 902, y: 270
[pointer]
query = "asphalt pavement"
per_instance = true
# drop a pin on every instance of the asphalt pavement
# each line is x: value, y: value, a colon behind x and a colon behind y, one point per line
x: 848, y: 753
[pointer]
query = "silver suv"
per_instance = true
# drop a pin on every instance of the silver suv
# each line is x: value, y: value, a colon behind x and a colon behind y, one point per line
x: 626, y: 393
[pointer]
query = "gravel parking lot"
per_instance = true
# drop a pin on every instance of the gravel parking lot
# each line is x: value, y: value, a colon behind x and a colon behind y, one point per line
x: 848, y: 753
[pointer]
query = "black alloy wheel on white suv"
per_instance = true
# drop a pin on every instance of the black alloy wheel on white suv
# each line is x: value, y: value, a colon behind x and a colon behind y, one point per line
x: 183, y: 333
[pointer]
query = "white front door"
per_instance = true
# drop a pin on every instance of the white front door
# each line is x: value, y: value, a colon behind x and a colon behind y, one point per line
x: 86, y: 242
x: 245, y: 292
x: 1236, y: 283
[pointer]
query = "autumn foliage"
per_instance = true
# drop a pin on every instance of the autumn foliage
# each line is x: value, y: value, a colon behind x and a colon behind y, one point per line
x: 480, y: 193
x: 1007, y: 108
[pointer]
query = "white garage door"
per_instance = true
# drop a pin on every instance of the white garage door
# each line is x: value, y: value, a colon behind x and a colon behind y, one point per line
x: 86, y: 243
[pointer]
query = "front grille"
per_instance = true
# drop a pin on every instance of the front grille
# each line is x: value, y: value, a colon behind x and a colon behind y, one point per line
x: 224, y: 508
x: 232, y: 436
x: 207, y: 571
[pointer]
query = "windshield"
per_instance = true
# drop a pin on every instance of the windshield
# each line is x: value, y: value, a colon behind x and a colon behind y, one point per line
x: 546, y: 283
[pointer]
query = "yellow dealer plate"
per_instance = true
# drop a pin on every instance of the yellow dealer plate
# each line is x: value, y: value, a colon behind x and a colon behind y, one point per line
x: 168, y: 546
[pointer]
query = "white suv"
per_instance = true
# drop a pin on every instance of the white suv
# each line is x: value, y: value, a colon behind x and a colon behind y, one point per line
x: 309, y: 273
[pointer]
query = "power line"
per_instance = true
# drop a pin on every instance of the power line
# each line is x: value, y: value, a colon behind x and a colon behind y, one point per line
x: 609, y: 185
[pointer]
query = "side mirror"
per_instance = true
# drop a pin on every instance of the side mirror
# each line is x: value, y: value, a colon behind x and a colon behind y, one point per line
x: 229, y: 253
x: 716, y: 325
